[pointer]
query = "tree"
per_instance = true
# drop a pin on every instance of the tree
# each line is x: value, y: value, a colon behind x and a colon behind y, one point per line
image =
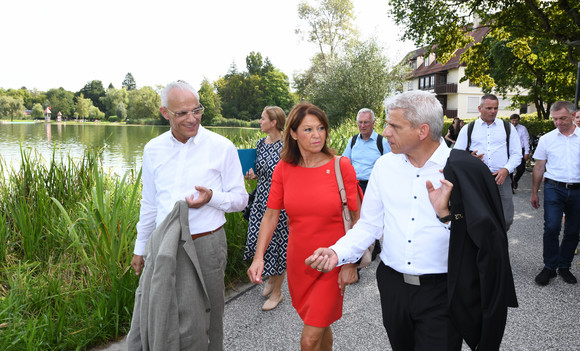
x: 11, y: 107
x: 329, y: 25
x: 143, y: 104
x: 61, y: 100
x: 121, y: 111
x: 129, y: 82
x: 83, y: 106
x: 244, y: 95
x: 94, y: 91
x: 359, y: 77
x: 37, y: 111
x: 211, y: 101
x: 525, y: 27
x: 112, y: 99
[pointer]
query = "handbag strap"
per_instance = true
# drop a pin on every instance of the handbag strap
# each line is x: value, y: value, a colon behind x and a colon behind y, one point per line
x: 345, y: 212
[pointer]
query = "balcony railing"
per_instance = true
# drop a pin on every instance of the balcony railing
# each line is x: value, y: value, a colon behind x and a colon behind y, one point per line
x: 450, y: 113
x: 446, y: 88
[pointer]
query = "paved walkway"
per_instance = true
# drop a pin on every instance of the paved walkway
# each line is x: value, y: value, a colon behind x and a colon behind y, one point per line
x: 548, y: 317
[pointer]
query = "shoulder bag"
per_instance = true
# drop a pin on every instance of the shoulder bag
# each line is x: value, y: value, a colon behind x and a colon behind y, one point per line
x: 365, y: 260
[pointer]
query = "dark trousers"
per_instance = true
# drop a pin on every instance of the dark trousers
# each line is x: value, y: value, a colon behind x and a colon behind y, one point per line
x: 416, y: 317
x: 557, y: 201
x: 519, y: 172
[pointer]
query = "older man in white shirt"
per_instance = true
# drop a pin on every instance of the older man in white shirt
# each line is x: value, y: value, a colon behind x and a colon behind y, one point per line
x: 525, y: 142
x: 192, y: 163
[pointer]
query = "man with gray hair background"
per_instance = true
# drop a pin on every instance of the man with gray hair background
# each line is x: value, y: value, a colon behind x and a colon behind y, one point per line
x: 364, y: 150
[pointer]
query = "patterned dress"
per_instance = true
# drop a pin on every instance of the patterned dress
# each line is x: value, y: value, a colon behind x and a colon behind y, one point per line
x: 267, y: 158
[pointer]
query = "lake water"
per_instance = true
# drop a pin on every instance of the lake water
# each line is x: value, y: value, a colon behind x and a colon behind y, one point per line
x: 122, y: 145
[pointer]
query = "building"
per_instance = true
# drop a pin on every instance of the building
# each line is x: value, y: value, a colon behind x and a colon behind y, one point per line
x: 458, y: 99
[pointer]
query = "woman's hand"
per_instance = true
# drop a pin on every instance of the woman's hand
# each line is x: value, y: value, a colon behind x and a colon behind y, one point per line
x: 250, y: 175
x: 347, y: 276
x: 255, y: 270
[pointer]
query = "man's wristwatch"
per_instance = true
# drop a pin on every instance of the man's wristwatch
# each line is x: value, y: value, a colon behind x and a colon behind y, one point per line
x: 445, y: 219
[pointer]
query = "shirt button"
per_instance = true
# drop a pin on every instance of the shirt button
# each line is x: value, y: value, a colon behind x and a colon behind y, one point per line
x: 409, y: 263
x: 417, y: 176
x: 412, y: 219
x: 409, y: 241
x: 414, y: 197
x: 208, y: 310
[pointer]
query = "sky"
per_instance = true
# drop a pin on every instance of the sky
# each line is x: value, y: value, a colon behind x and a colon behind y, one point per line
x: 67, y: 43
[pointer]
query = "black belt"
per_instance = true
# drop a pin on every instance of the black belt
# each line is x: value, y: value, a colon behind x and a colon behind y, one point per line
x: 423, y: 279
x: 562, y: 184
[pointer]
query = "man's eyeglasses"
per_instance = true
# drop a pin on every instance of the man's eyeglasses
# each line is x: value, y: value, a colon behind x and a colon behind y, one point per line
x: 196, y: 112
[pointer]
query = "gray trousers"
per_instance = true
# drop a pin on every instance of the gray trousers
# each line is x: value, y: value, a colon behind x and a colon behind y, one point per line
x: 507, y: 201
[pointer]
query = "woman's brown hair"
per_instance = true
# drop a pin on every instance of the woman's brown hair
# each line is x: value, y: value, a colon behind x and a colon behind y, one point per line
x: 290, y: 151
x: 275, y: 113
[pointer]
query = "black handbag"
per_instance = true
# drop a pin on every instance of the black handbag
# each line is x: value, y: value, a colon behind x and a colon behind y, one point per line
x: 248, y: 208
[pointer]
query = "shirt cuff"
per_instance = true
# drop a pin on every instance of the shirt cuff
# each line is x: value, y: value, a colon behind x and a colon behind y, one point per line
x: 139, y: 248
x: 342, y: 254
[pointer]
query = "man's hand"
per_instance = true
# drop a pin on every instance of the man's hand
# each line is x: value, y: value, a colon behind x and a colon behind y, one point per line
x: 137, y: 263
x: 534, y: 200
x: 202, y: 198
x: 347, y: 276
x: 440, y: 197
x: 323, y: 259
x: 479, y: 156
x: 500, y: 176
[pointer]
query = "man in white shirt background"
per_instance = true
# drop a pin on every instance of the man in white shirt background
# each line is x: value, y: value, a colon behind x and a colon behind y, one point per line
x: 489, y: 141
x: 525, y: 141
x: 192, y: 163
x: 558, y: 163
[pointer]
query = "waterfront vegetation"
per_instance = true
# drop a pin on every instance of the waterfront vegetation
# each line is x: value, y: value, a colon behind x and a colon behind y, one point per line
x: 67, y: 230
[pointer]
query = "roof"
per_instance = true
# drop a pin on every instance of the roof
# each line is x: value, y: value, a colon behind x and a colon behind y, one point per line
x: 478, y: 34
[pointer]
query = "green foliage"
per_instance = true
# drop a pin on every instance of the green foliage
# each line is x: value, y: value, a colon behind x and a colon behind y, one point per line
x: 244, y: 95
x: 143, y: 104
x: 530, y: 44
x: 121, y: 111
x: 112, y: 99
x: 211, y: 101
x: 129, y: 82
x: 359, y: 77
x: 11, y: 107
x: 83, y: 106
x: 113, y: 119
x: 94, y: 91
x: 37, y: 111
x: 329, y: 25
x: 62, y: 101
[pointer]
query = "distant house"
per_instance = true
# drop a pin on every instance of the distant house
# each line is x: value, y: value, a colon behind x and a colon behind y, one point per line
x: 47, y: 114
x: 458, y: 99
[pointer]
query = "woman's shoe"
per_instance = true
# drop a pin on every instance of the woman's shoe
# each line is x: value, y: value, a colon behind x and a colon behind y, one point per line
x: 268, y: 287
x: 271, y: 304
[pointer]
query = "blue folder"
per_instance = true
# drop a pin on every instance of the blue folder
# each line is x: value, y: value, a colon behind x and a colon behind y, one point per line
x: 247, y: 159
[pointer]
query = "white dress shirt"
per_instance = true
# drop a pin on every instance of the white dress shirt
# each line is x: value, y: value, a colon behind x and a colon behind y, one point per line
x: 397, y: 203
x: 491, y: 140
x: 524, y: 138
x: 172, y: 169
x: 562, y: 155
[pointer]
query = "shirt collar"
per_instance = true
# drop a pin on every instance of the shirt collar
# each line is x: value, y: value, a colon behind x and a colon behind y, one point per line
x: 373, y: 136
x: 194, y: 140
x: 439, y: 156
x: 483, y: 123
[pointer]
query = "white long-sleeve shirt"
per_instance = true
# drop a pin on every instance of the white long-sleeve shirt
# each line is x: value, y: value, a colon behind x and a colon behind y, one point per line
x: 524, y: 138
x: 172, y: 169
x: 397, y: 202
x: 491, y: 140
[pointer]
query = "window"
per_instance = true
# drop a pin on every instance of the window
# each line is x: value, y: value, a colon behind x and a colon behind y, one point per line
x: 426, y: 61
x: 410, y: 85
x: 473, y: 104
x: 472, y: 85
x: 442, y: 79
x: 413, y: 64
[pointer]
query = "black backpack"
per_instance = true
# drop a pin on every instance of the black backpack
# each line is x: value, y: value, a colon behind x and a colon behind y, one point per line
x: 379, y: 142
x: 506, y: 125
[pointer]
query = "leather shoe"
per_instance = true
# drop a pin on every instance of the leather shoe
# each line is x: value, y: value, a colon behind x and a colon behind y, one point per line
x: 271, y: 304
x: 268, y: 287
x: 567, y: 276
x: 545, y: 275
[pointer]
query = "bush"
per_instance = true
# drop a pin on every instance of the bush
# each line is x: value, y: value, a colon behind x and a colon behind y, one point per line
x: 113, y: 119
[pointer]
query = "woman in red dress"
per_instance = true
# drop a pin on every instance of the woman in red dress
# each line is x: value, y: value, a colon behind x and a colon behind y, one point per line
x: 304, y: 184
